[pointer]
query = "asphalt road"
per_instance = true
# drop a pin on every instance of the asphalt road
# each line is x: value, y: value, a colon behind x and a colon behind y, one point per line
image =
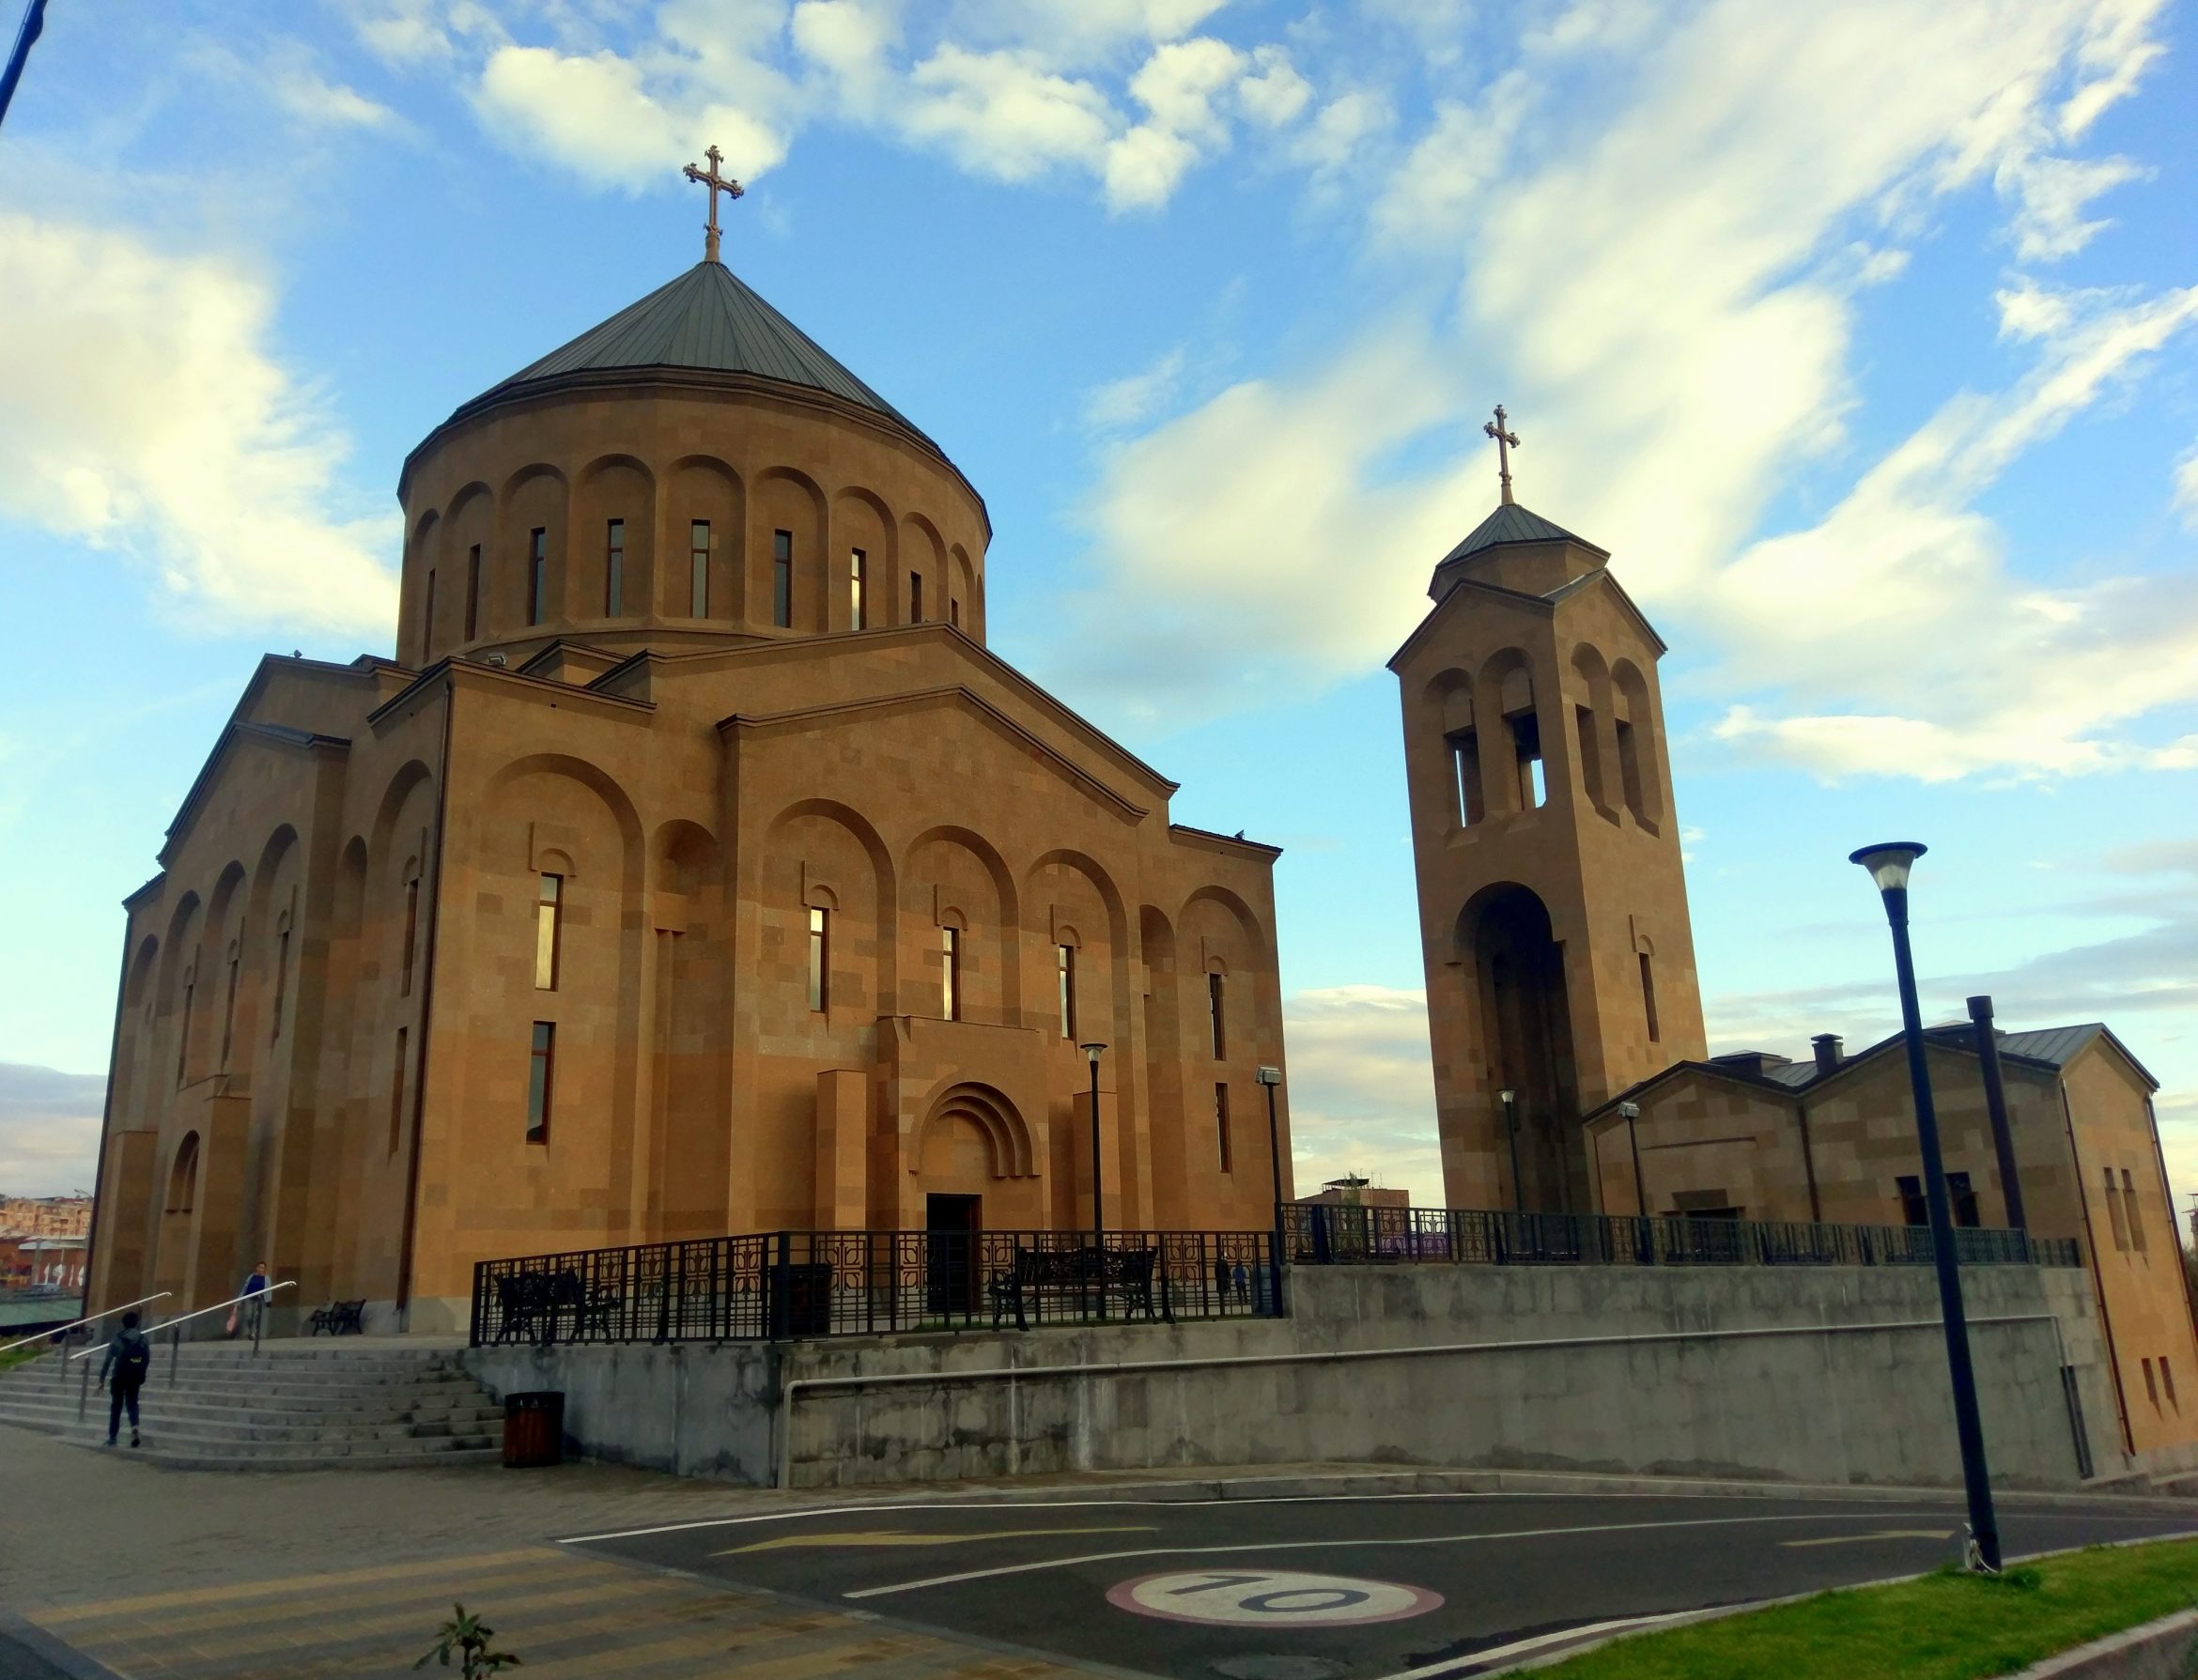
x: 1337, y: 1589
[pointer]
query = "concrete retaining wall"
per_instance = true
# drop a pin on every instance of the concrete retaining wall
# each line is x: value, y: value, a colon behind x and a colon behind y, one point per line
x: 1815, y: 1374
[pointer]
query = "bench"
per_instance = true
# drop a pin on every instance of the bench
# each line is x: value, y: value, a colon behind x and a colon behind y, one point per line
x: 340, y: 1318
x: 530, y: 1301
x: 1080, y: 1271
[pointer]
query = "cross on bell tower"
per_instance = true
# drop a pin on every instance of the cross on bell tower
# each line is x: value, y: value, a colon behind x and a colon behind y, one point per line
x: 1506, y: 441
x: 725, y: 183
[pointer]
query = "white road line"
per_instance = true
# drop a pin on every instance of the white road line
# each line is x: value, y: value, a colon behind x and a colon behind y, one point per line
x: 1154, y: 1551
x: 1474, y: 1659
x: 1277, y: 1498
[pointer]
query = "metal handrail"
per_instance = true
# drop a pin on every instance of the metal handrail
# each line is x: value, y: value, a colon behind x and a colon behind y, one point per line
x: 78, y: 1323
x: 171, y: 1323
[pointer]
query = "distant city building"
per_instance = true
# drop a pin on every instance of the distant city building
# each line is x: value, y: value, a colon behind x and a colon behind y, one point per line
x: 1358, y: 1193
x: 45, y: 1215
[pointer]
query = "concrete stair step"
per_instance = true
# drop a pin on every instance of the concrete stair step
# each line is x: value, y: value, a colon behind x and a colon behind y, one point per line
x: 244, y: 1391
x: 216, y: 1428
x: 425, y: 1455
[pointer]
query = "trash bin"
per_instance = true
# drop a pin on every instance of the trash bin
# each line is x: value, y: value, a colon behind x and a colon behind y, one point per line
x: 533, y: 1429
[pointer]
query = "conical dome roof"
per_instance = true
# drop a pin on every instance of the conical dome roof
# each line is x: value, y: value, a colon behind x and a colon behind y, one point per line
x: 709, y: 320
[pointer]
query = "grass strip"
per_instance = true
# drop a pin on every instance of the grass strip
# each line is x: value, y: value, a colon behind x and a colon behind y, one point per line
x: 1943, y: 1626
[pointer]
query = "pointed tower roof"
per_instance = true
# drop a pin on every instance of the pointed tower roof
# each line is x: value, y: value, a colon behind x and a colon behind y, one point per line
x: 1512, y: 523
x: 709, y: 320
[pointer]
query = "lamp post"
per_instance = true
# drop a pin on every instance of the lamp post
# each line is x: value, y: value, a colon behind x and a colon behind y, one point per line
x: 1630, y: 1111
x: 1092, y: 1054
x: 1271, y: 1077
x: 1889, y: 866
x: 1509, y: 1098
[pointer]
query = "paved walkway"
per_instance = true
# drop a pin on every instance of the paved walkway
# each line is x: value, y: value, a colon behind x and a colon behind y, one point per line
x: 297, y: 1574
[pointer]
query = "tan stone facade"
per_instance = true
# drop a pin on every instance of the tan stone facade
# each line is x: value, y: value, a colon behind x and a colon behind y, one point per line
x: 1560, y: 960
x: 693, y: 870
x: 1763, y: 1139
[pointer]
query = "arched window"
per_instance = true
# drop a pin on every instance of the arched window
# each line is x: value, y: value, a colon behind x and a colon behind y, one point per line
x: 183, y: 1176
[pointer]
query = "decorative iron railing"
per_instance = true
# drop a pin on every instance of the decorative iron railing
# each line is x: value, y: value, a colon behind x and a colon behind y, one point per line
x: 1314, y: 1233
x: 781, y: 1284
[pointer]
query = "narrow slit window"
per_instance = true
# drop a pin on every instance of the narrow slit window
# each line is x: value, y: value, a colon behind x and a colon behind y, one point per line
x: 1216, y: 1011
x: 698, y: 568
x: 953, y: 612
x: 1961, y: 1203
x: 1221, y: 1127
x: 537, y: 573
x: 1464, y: 747
x: 2167, y: 1381
x: 428, y: 617
x: 2114, y: 1211
x: 396, y: 1092
x: 1912, y: 1208
x: 183, y: 1036
x: 1648, y: 995
x: 2151, y: 1388
x: 950, y: 945
x: 1629, y: 754
x: 916, y: 597
x: 615, y: 569
x: 411, y: 935
x: 2130, y: 1213
x: 858, y: 590
x: 229, y: 1007
x: 282, y: 982
x: 820, y: 958
x: 783, y: 578
x: 473, y: 592
x: 548, y: 932
x: 1065, y: 963
x: 540, y: 1071
x: 1590, y: 754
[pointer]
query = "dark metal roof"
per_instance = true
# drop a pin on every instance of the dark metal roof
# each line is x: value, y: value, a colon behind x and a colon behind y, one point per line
x: 710, y: 320
x: 1512, y: 523
x: 2054, y: 1044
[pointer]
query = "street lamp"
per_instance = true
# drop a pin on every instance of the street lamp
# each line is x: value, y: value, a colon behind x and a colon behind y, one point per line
x: 1509, y: 1098
x: 1629, y: 1112
x: 1271, y: 1077
x: 1092, y: 1054
x: 1889, y: 866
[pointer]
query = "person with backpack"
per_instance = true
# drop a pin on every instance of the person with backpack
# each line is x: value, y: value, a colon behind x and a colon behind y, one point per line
x: 129, y: 1360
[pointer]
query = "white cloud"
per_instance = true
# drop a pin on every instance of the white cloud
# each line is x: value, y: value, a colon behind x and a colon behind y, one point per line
x: 143, y: 411
x: 49, y: 1129
x: 1904, y: 576
x: 2051, y: 195
x: 1272, y: 92
x: 2186, y: 488
x: 595, y: 115
x: 318, y: 102
x: 1428, y: 198
x: 1362, y: 1089
x: 1003, y: 113
x: 1136, y: 397
x: 1337, y: 134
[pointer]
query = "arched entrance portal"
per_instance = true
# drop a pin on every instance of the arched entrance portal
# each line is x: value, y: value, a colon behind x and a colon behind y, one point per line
x: 975, y: 1170
x: 1528, y: 1036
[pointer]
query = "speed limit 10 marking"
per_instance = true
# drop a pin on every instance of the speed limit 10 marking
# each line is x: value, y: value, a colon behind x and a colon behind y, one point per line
x: 1271, y: 1599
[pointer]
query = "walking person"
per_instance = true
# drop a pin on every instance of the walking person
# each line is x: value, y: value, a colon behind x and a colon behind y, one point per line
x: 244, y: 1316
x: 129, y: 1360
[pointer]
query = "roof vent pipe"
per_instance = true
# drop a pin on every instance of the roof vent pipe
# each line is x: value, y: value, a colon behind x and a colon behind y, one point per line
x: 1826, y: 1046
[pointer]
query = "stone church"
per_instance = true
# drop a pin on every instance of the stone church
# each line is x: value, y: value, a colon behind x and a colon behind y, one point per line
x: 692, y: 868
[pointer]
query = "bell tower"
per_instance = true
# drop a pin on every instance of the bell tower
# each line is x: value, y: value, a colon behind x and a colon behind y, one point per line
x: 1553, y: 904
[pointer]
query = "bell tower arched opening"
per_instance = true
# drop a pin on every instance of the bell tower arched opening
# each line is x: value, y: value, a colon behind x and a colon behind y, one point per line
x: 1527, y: 1037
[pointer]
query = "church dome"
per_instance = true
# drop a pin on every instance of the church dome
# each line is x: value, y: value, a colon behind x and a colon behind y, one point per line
x: 707, y: 321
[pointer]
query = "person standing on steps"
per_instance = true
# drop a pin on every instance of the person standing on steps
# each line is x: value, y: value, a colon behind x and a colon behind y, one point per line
x: 129, y: 1360
x: 244, y: 1316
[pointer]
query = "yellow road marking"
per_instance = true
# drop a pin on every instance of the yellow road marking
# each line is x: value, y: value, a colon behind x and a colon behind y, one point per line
x: 1890, y: 1534
x: 901, y: 1537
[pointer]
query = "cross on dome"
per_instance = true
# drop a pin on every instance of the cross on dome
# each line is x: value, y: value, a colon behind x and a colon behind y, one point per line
x: 717, y: 183
x: 1506, y: 441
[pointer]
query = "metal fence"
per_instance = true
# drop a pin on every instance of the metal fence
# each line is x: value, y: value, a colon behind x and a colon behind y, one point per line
x: 1318, y: 1235
x: 780, y: 1284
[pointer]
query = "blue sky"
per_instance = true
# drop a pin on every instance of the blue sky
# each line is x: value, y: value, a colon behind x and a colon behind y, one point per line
x: 1864, y: 336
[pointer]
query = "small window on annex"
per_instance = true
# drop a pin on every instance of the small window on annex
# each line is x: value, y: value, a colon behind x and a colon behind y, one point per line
x: 541, y: 1069
x: 783, y: 578
x: 820, y: 958
x: 1961, y: 1201
x: 698, y: 565
x: 548, y: 932
x: 2115, y: 1212
x: 1912, y: 1208
x: 615, y: 569
x: 2130, y: 1213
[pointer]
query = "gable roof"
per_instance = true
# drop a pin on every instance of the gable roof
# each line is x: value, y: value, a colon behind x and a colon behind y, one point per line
x: 710, y: 320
